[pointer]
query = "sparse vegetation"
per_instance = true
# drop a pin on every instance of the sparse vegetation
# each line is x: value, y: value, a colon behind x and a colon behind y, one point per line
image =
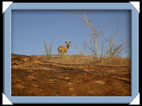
x: 98, y: 45
x: 48, y: 49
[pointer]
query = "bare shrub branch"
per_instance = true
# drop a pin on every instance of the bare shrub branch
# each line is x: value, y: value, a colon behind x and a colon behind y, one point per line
x: 100, y: 45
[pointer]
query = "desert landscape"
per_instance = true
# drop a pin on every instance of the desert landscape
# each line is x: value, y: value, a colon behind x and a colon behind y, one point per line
x: 69, y: 75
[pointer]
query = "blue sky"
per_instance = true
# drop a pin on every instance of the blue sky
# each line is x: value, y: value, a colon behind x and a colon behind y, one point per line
x: 30, y: 28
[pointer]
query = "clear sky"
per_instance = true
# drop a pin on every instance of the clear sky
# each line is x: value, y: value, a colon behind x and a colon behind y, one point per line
x: 30, y: 28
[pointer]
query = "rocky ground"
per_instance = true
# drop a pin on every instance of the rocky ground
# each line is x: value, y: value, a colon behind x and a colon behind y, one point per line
x: 71, y: 75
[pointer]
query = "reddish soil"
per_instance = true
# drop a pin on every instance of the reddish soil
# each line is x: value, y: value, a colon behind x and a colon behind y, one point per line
x: 73, y: 75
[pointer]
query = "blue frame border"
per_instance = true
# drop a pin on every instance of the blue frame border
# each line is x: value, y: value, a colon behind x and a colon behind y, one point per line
x: 72, y: 99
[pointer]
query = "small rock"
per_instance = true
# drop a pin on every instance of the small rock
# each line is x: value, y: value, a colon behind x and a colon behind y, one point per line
x: 100, y: 82
x: 35, y: 85
x: 73, y: 95
x: 51, y: 81
x: 71, y: 89
x: 19, y: 86
x: 67, y: 78
x: 31, y: 77
x: 69, y: 83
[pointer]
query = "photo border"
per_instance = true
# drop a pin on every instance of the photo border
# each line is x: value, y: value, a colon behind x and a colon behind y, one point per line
x: 71, y: 99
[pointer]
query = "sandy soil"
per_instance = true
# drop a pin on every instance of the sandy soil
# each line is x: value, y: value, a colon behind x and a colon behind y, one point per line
x: 73, y: 75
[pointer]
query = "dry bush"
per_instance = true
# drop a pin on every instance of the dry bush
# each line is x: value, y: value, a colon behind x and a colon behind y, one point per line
x: 48, y: 49
x: 98, y: 45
